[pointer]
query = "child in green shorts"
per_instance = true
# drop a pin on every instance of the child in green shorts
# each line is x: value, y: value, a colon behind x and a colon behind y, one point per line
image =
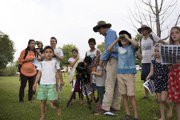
x: 47, y: 71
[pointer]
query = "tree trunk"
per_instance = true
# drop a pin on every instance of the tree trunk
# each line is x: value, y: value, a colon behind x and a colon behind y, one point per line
x: 158, y: 25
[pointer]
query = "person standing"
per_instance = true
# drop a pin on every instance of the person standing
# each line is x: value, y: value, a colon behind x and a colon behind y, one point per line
x: 174, y: 74
x: 126, y: 71
x: 47, y: 90
x: 146, y: 47
x: 58, y: 56
x: 111, y: 99
x: 93, y: 53
x: 27, y: 70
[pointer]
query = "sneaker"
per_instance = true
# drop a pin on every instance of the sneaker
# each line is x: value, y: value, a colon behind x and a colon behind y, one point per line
x: 109, y: 114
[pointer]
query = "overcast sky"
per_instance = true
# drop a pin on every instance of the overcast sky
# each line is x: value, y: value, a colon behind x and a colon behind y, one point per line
x: 70, y: 21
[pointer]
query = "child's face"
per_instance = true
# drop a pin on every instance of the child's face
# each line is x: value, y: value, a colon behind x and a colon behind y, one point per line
x: 92, y: 45
x: 175, y: 35
x: 48, y: 54
x: 39, y: 45
x: 75, y: 54
x: 124, y: 41
x: 156, y: 52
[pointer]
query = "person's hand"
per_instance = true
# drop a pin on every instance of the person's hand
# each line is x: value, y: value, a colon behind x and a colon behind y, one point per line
x: 62, y: 82
x: 92, y: 72
x: 147, y: 78
x: 34, y: 86
x: 126, y: 37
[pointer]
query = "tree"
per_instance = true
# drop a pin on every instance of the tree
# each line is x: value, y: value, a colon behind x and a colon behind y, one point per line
x: 67, y: 48
x: 6, y: 51
x: 156, y: 14
x: 101, y: 47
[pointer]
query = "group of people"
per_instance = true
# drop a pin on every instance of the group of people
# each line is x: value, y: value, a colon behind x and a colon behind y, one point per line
x: 112, y: 73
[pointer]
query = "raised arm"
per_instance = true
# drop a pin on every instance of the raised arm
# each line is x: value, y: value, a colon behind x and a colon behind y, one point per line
x: 71, y: 64
x: 133, y: 42
x: 111, y: 46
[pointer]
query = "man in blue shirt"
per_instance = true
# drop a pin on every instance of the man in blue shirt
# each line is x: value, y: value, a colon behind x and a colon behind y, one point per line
x: 112, y: 96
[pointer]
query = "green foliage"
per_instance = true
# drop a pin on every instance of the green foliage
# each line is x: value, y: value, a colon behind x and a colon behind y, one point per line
x: 9, y: 71
x: 6, y: 51
x: 101, y: 47
x: 67, y: 48
x: 138, y: 37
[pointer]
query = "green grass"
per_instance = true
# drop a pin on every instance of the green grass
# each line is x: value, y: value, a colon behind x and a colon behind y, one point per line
x: 11, y: 109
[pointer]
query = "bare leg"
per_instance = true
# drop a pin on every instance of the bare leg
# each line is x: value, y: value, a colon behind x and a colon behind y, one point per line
x: 42, y: 107
x: 161, y: 106
x: 164, y: 96
x: 146, y: 93
x: 81, y: 97
x: 133, y: 102
x: 58, y: 110
x: 126, y: 106
x: 177, y: 110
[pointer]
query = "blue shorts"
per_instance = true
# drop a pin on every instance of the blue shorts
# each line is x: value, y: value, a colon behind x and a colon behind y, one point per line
x: 145, y: 71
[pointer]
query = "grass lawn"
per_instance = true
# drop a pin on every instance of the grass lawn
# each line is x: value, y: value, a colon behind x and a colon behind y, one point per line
x: 11, y: 109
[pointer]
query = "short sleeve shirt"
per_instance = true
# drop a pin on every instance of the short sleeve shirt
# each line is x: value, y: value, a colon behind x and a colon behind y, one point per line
x: 147, y: 48
x: 48, y: 70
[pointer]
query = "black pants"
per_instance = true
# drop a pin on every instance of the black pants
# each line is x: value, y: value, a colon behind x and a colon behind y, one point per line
x: 24, y: 80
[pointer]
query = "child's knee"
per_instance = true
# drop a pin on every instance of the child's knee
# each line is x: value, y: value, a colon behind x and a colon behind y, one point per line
x: 163, y: 99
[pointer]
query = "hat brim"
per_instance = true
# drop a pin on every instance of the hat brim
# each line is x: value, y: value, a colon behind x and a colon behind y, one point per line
x: 97, y: 27
x: 148, y: 28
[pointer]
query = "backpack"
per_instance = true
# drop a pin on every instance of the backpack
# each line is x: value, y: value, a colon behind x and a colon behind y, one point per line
x: 20, y: 65
x: 139, y: 51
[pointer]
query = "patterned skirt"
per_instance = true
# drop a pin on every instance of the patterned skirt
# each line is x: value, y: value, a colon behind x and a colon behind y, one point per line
x: 174, y: 84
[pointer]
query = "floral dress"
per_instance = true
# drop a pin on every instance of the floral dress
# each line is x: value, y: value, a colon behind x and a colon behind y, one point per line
x: 174, y: 84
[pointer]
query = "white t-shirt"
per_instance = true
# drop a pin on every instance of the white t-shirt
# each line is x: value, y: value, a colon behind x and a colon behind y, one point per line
x: 147, y: 48
x: 100, y: 81
x: 48, y: 69
x: 59, y: 52
x: 92, y: 54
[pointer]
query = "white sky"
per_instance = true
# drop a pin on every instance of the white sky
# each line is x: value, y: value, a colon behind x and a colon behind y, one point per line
x: 70, y: 21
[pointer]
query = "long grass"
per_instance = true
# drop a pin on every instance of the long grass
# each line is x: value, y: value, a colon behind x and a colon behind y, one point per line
x: 11, y: 109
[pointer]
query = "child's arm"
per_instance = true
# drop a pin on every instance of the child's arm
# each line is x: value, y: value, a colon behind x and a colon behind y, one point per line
x: 110, y: 48
x: 99, y: 74
x: 151, y: 72
x: 60, y: 77
x: 71, y: 64
x: 133, y: 42
x: 37, y: 80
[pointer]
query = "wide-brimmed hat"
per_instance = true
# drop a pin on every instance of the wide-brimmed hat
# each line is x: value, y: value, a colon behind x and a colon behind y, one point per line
x: 144, y: 27
x: 101, y: 24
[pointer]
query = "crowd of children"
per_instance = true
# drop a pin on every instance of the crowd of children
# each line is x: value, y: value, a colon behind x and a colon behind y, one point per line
x: 112, y: 73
